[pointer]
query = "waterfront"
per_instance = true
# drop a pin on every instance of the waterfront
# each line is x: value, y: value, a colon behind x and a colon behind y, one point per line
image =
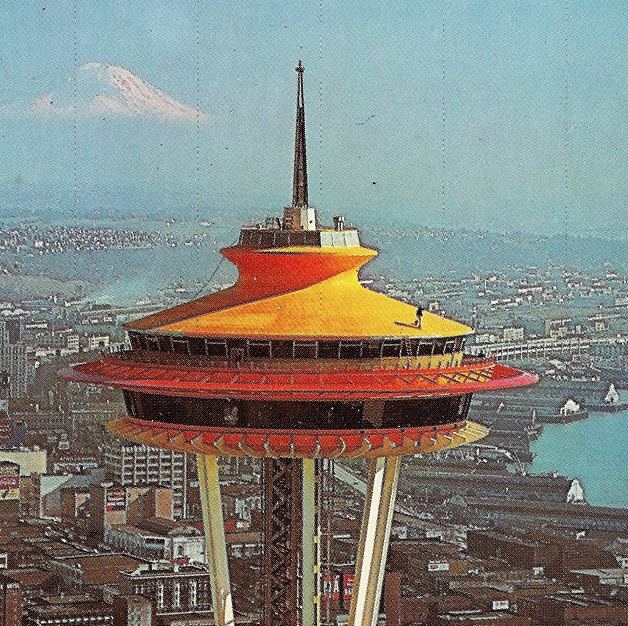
x: 594, y: 450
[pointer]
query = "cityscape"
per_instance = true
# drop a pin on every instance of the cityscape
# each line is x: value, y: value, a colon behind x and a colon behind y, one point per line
x: 478, y: 533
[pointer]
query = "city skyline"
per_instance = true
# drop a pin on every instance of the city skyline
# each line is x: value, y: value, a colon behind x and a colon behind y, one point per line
x: 525, y: 100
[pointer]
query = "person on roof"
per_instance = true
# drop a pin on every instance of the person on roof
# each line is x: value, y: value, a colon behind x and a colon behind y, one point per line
x: 419, y: 317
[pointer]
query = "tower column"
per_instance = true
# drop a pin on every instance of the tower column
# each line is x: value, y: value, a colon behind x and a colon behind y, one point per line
x: 374, y: 535
x: 215, y: 543
x: 311, y: 542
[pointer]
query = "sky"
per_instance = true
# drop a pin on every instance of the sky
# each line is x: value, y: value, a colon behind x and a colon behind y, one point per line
x: 498, y: 115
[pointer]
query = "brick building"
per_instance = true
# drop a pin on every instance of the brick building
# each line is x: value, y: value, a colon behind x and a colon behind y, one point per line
x: 81, y: 573
x: 64, y: 610
x: 10, y: 602
x: 133, y: 611
x: 172, y: 588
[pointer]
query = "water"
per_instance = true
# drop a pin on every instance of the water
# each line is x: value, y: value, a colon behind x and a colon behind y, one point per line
x: 594, y: 450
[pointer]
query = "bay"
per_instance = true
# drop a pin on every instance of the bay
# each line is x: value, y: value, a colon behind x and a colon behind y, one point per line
x: 594, y: 450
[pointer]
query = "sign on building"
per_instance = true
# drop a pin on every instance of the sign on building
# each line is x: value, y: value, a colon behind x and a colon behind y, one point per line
x: 438, y: 566
x: 9, y: 481
x: 115, y: 500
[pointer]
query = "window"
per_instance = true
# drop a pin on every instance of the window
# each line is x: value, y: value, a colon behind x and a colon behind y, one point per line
x: 439, y: 346
x: 176, y: 596
x: 391, y: 348
x: 164, y: 344
x: 267, y: 239
x: 160, y: 595
x: 282, y: 349
x: 305, y: 350
x: 135, y: 341
x: 152, y: 343
x: 371, y: 349
x: 258, y: 349
x: 327, y: 349
x: 180, y: 346
x: 216, y: 347
x: 197, y: 345
x: 425, y: 348
x: 449, y: 346
x: 193, y: 593
x: 350, y: 349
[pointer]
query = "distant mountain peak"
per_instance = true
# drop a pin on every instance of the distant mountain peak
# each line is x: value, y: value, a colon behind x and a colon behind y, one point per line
x: 112, y: 90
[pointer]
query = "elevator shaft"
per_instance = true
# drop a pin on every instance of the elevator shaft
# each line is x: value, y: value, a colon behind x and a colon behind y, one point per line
x: 291, y: 568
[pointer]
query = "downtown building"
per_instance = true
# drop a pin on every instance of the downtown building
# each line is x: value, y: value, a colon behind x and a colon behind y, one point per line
x: 14, y: 358
x: 131, y: 464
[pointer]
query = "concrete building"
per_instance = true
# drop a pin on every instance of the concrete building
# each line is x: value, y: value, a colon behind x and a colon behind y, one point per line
x: 13, y: 357
x: 157, y: 539
x: 97, y: 342
x: 113, y: 505
x: 557, y: 556
x: 29, y: 460
x: 80, y: 573
x: 131, y: 464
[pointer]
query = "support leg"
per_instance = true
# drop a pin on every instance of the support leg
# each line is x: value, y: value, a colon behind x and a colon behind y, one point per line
x: 311, y: 543
x: 216, y: 547
x: 374, y: 536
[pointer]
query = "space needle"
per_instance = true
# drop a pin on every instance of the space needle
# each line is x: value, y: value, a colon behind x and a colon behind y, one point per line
x: 295, y: 364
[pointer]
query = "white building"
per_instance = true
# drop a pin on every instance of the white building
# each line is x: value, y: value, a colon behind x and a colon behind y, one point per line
x: 131, y: 464
x: 513, y: 334
x: 158, y: 539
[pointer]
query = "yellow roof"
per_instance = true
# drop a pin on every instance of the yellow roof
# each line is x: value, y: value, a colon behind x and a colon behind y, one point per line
x: 299, y: 292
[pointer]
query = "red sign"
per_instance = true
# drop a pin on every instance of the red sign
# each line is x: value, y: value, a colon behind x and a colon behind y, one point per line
x: 347, y: 585
x: 9, y: 482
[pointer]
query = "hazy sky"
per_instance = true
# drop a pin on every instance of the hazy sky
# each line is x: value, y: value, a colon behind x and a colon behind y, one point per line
x: 528, y: 100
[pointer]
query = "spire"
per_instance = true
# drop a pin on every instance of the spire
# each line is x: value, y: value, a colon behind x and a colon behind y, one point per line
x: 299, y: 184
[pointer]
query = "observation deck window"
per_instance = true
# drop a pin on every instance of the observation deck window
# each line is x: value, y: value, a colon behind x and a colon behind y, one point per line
x: 152, y: 343
x: 197, y: 345
x: 216, y: 347
x: 258, y: 348
x: 305, y: 349
x: 425, y: 348
x: 180, y: 346
x: 267, y: 239
x: 282, y: 349
x: 439, y: 346
x: 327, y: 349
x: 463, y: 407
x: 371, y: 349
x: 164, y: 343
x: 391, y: 348
x: 346, y: 349
x: 350, y: 349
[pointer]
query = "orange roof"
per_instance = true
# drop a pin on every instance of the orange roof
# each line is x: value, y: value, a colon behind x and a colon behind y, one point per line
x: 298, y: 292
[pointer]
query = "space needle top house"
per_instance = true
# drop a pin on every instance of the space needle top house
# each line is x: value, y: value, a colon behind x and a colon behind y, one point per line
x: 296, y: 363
